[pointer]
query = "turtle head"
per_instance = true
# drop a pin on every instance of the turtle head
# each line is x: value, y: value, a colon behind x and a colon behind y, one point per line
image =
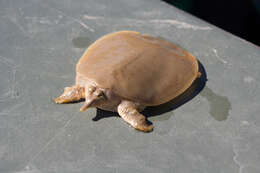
x: 94, y: 96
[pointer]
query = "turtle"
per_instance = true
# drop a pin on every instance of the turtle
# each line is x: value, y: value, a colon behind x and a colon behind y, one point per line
x: 126, y: 71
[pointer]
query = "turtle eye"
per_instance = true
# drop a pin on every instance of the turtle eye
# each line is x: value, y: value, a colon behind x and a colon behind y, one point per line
x: 91, y: 89
x: 99, y: 94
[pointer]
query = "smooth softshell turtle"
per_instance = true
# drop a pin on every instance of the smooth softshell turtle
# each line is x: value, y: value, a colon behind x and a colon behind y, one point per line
x: 126, y: 71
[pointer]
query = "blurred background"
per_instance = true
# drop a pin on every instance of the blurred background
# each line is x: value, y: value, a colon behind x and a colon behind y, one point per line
x: 240, y: 17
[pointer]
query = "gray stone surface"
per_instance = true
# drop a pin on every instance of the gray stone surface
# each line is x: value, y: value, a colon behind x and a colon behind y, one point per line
x: 216, y: 131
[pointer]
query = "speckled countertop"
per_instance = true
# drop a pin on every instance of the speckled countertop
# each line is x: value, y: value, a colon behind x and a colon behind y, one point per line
x: 213, y: 128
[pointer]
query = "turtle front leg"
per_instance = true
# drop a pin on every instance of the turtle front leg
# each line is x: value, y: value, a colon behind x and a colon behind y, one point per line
x: 129, y: 112
x: 71, y: 94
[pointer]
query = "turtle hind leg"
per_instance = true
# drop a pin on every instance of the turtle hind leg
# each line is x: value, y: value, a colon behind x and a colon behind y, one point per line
x: 71, y: 94
x: 129, y: 112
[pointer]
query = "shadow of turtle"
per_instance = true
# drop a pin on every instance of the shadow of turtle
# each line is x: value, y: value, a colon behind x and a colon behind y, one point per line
x: 196, y: 87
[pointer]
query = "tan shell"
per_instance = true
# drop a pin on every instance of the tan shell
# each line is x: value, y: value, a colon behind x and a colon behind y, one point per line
x: 137, y: 67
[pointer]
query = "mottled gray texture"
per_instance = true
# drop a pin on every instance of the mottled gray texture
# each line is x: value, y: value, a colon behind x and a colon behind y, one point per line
x: 41, y: 41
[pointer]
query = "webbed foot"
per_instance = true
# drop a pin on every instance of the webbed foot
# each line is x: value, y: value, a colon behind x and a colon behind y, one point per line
x: 71, y: 94
x: 128, y: 111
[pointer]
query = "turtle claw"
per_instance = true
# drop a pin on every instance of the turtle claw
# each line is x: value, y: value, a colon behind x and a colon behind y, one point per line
x: 59, y: 100
x: 144, y: 127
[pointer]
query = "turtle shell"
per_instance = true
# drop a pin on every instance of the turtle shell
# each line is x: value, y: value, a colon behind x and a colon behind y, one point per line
x: 138, y: 67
